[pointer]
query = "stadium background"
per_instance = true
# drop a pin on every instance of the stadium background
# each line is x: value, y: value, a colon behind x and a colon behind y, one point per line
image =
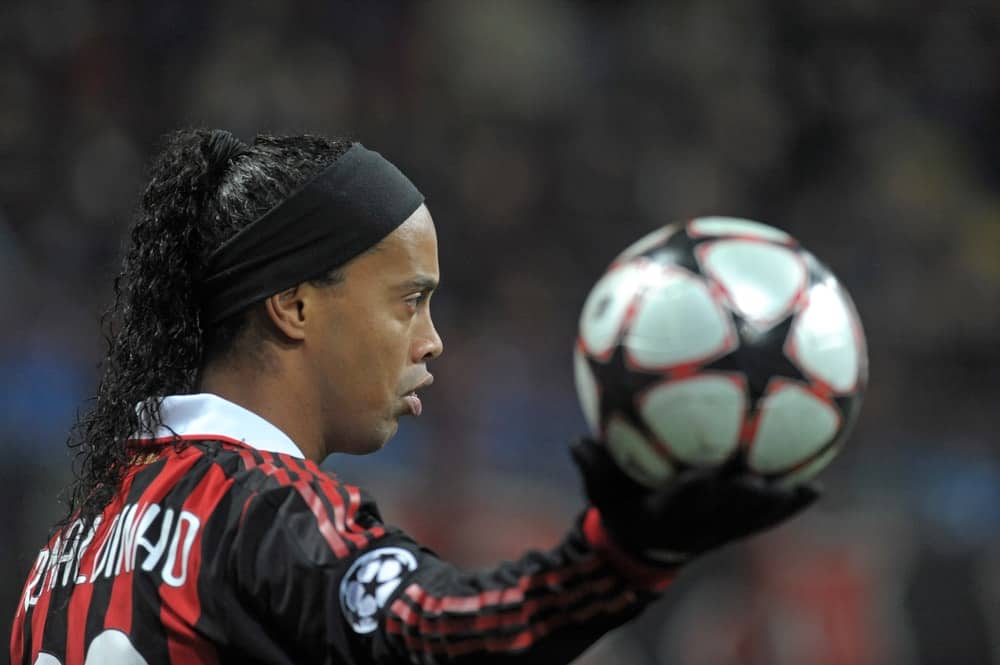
x: 547, y: 136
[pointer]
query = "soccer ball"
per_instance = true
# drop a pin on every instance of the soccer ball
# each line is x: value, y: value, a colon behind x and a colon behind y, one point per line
x: 720, y: 341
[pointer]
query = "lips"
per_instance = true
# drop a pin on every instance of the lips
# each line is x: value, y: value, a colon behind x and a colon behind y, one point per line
x: 413, y: 402
x: 428, y: 380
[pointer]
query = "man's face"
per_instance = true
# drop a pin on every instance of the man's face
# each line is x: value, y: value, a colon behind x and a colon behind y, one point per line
x: 374, y: 336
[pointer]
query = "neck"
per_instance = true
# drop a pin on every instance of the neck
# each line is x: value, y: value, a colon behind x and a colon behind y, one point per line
x: 273, y: 395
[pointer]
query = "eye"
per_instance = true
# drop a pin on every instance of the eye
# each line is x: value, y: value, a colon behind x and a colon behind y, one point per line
x: 416, y: 299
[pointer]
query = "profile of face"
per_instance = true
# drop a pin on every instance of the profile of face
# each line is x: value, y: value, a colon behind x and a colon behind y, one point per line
x: 371, y: 335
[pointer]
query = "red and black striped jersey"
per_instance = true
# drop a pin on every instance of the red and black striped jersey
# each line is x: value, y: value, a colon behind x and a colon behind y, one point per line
x: 234, y: 548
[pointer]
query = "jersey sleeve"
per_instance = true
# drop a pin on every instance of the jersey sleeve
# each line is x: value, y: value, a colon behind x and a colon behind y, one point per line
x: 321, y: 578
x: 547, y: 607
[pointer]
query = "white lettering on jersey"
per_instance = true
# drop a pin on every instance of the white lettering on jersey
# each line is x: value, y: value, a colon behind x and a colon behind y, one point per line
x: 80, y: 579
x: 30, y: 596
x: 154, y: 552
x: 129, y: 522
x: 102, y: 548
x: 50, y: 571
x: 167, y: 549
x: 193, y: 524
x: 67, y: 557
x: 116, y: 537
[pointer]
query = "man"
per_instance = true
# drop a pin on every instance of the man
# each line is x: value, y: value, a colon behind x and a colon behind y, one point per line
x: 273, y: 308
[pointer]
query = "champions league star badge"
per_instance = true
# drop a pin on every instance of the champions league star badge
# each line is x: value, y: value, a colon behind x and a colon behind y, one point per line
x: 370, y: 581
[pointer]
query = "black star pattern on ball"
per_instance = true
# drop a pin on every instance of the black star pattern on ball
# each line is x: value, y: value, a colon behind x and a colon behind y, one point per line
x: 849, y: 406
x: 678, y: 250
x: 619, y: 384
x: 760, y: 357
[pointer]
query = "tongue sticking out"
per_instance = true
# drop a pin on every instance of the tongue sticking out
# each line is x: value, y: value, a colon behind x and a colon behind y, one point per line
x: 414, y: 403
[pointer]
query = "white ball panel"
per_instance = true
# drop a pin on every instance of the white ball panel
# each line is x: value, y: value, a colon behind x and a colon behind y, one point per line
x: 677, y: 321
x: 723, y: 226
x: 794, y: 424
x: 648, y: 241
x: 824, y: 338
x: 635, y: 455
x: 762, y: 280
x: 586, y: 390
x: 699, y: 419
x: 607, y: 304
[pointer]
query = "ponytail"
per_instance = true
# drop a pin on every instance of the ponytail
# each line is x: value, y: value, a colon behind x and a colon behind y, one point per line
x: 204, y: 186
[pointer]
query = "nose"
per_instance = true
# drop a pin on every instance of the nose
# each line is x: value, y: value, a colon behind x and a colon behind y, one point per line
x: 428, y: 344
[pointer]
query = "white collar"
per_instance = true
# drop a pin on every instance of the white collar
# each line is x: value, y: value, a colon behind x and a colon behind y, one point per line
x: 207, y: 414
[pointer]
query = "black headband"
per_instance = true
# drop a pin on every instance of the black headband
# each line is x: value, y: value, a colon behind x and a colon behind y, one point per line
x: 346, y: 209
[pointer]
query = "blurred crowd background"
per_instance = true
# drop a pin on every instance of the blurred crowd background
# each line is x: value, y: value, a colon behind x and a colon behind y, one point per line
x: 547, y: 136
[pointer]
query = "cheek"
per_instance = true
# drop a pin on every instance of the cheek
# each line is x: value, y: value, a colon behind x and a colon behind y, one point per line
x: 395, y: 352
x: 380, y: 357
x: 352, y: 354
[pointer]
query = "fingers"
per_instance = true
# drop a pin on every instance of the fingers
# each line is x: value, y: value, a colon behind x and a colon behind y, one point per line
x: 769, y: 505
x: 698, y: 510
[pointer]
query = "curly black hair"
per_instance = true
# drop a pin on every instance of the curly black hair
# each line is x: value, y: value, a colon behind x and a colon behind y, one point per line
x: 204, y: 186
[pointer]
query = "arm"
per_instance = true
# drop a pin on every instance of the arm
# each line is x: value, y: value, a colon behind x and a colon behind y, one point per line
x: 547, y: 607
x: 320, y: 578
x: 340, y: 586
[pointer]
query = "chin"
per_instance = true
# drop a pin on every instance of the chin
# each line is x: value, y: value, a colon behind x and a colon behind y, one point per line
x: 392, y: 429
x: 364, y: 439
x: 378, y: 440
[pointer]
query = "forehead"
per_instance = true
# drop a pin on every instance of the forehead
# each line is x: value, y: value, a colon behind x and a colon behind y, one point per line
x: 408, y: 251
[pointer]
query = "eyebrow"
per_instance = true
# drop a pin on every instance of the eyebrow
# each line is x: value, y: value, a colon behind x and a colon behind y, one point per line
x: 420, y: 283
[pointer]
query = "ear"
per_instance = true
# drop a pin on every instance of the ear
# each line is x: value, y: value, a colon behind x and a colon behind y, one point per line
x: 286, y: 310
